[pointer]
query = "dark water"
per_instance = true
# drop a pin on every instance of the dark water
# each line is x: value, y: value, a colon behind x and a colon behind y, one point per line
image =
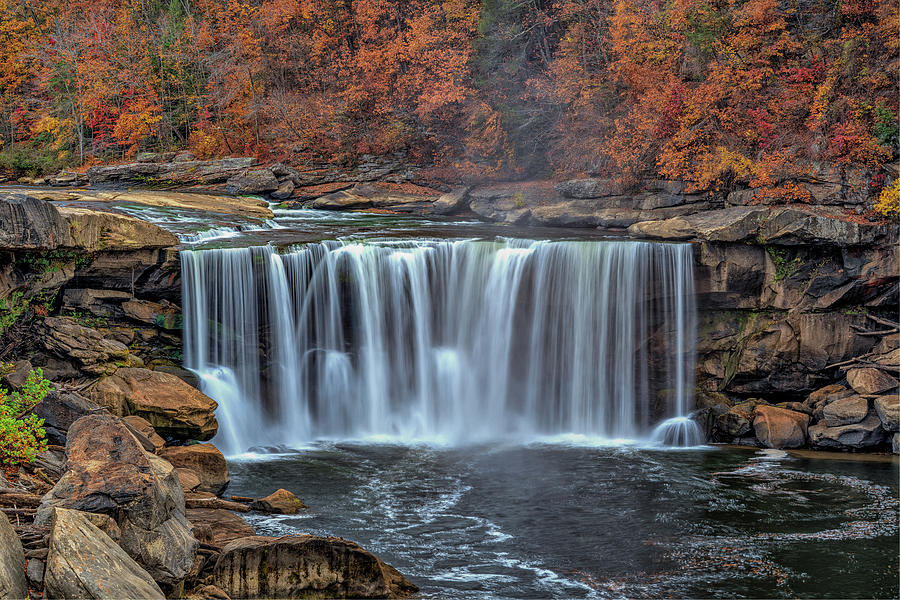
x: 563, y: 521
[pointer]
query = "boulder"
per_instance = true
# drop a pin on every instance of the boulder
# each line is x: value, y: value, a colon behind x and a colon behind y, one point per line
x: 96, y: 230
x: 865, y: 434
x: 869, y: 381
x: 280, y: 502
x: 83, y: 562
x: 203, y: 459
x: 888, y: 410
x: 895, y: 443
x: 298, y: 566
x: 452, y: 202
x: 175, y: 173
x: 827, y: 394
x: 173, y: 408
x: 371, y: 195
x: 222, y: 526
x: 189, y: 480
x: 100, y: 303
x: 84, y: 346
x: 845, y: 411
x: 284, y: 191
x: 108, y: 472
x: 12, y: 562
x: 252, y: 181
x: 780, y: 428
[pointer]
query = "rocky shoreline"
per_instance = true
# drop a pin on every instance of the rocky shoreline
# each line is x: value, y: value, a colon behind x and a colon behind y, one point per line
x: 798, y: 346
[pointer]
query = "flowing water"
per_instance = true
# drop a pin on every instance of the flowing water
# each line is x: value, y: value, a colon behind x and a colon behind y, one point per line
x: 446, y: 341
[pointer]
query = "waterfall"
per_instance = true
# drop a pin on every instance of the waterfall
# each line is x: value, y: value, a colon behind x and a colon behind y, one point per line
x: 445, y: 341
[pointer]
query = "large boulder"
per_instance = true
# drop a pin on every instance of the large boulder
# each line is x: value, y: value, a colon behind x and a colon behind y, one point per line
x: 306, y: 566
x: 780, y: 428
x: 845, y: 411
x: 451, y: 202
x: 12, y: 562
x: 172, y: 172
x: 83, y: 562
x: 865, y: 434
x: 27, y: 223
x: 868, y: 381
x: 174, y: 408
x: 60, y: 409
x: 108, y: 472
x: 203, y: 459
x: 888, y: 410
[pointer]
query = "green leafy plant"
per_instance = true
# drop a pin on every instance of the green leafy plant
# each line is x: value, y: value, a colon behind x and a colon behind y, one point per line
x: 22, y: 433
x: 10, y: 310
x: 784, y: 268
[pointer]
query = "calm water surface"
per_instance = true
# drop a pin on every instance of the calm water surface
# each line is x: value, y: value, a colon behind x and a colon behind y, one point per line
x: 569, y: 521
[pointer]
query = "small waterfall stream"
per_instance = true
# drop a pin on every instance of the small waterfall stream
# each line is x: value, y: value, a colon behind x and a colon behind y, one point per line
x: 446, y: 341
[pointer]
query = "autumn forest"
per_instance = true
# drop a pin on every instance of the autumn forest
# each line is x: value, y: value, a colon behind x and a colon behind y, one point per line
x: 710, y: 91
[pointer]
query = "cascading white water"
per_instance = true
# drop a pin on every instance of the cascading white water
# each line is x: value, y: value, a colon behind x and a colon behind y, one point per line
x: 442, y: 340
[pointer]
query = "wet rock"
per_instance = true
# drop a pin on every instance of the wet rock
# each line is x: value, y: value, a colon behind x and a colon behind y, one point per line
x: 780, y: 428
x: 84, y: 562
x: 865, y: 434
x: 110, y: 473
x: 888, y: 410
x: 12, y: 562
x: 171, y: 406
x: 845, y: 411
x: 306, y: 566
x: 281, y: 502
x: 252, y: 181
x: 203, y: 459
x: 869, y: 381
x: 370, y: 195
x: 223, y: 525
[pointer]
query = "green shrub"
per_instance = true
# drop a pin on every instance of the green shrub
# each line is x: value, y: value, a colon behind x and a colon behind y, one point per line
x: 24, y: 159
x: 10, y: 310
x: 21, y: 435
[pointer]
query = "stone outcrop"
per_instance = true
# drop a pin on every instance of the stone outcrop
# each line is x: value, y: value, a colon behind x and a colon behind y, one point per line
x: 205, y: 461
x: 298, y: 566
x: 83, y: 346
x: 174, y: 408
x: 888, y: 410
x: 12, y: 562
x: 60, y: 410
x: 779, y: 428
x: 180, y: 173
x: 845, y: 411
x: 109, y: 472
x: 868, y: 381
x: 83, y: 562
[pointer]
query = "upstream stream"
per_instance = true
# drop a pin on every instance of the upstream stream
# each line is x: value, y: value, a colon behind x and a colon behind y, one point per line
x: 501, y: 413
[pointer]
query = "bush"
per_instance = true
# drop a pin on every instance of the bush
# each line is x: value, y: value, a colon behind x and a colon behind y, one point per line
x: 21, y: 435
x: 24, y: 159
x: 888, y: 204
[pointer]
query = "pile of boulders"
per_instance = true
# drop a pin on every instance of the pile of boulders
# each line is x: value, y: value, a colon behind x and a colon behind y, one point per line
x: 121, y: 512
x: 862, y: 412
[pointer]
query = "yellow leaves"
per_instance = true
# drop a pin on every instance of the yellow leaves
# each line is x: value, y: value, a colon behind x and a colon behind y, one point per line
x: 136, y: 122
x: 888, y: 204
